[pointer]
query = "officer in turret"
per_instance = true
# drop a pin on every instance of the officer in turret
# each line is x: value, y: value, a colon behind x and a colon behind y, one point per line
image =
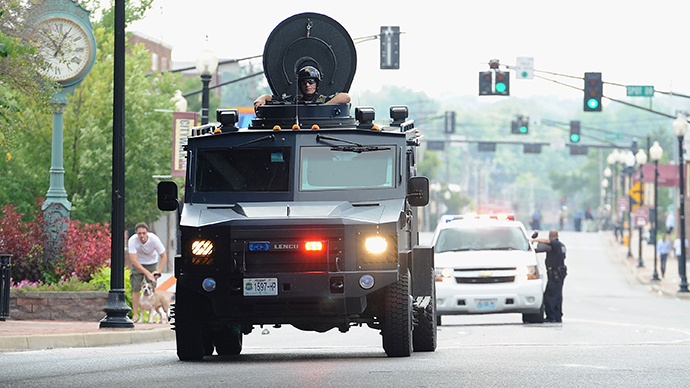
x: 308, y: 79
x: 556, y: 272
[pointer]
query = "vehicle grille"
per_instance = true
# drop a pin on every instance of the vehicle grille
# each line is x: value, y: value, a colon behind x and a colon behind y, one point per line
x: 485, y: 275
x: 488, y: 280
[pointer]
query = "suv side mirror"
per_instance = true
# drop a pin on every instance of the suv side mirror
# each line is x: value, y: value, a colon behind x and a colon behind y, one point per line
x: 418, y: 191
x: 167, y: 196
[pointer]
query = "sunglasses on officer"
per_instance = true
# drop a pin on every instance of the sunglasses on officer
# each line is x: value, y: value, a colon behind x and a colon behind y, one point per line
x: 309, y: 81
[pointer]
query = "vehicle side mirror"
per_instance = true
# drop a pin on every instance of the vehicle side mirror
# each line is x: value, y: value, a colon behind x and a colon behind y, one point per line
x: 418, y: 191
x: 167, y: 196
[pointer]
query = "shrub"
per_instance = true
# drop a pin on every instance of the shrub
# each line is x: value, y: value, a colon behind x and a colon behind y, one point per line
x: 85, y: 249
x: 24, y: 241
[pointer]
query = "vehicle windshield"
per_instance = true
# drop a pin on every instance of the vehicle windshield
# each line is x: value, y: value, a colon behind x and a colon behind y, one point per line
x: 337, y: 168
x: 265, y: 169
x: 480, y: 239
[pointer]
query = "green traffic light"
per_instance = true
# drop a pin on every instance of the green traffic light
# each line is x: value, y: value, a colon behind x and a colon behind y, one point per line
x: 523, y: 129
x: 592, y: 103
x: 574, y: 137
x: 500, y: 87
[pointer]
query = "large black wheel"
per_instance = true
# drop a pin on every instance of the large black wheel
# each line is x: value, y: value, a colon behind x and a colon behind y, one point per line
x: 397, y: 318
x: 228, y: 340
x: 424, y: 334
x: 188, y: 328
x: 534, y: 318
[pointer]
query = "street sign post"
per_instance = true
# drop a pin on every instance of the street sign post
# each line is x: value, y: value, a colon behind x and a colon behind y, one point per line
x: 640, y: 90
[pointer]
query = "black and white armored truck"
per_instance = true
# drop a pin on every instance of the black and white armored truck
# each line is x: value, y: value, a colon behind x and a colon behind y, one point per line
x: 307, y: 217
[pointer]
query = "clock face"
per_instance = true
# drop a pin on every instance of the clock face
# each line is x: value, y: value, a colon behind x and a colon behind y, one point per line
x: 65, y: 46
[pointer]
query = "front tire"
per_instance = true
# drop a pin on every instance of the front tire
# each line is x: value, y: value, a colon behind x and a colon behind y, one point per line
x: 424, y: 334
x: 534, y: 318
x: 191, y: 345
x: 397, y: 318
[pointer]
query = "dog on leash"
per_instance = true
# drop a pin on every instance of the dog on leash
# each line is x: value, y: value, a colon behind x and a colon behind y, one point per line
x: 153, y: 303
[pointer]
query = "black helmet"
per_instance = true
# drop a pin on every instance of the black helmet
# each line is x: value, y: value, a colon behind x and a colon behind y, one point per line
x: 308, y: 72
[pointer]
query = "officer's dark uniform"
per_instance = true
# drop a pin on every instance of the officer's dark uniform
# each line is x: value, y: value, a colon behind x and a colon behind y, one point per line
x: 556, y: 272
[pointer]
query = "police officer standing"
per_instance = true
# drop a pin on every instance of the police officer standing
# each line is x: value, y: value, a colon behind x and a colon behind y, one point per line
x: 556, y: 272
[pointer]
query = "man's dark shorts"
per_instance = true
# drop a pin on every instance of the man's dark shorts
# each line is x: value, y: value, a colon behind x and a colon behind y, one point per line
x: 137, y: 277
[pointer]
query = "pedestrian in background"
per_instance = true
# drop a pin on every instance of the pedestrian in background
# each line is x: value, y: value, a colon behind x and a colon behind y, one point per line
x: 670, y: 222
x: 144, y: 250
x: 663, y: 248
x: 676, y: 247
x: 556, y: 272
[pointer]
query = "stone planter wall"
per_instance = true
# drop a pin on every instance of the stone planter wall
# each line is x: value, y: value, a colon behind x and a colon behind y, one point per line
x: 58, y: 305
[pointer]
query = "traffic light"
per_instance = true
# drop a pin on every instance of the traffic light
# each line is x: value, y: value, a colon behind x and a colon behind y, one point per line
x: 520, y: 126
x: 502, y: 87
x: 486, y: 83
x: 575, y: 131
x: 390, y: 47
x: 450, y: 122
x: 494, y: 83
x: 594, y: 91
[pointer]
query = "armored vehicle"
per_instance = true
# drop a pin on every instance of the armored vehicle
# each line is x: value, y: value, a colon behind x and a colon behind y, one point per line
x: 307, y: 217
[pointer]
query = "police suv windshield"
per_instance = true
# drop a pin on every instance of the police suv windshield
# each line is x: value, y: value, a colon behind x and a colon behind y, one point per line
x: 480, y: 239
x: 346, y: 167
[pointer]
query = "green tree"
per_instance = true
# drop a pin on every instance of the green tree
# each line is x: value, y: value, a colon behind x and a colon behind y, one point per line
x: 88, y: 136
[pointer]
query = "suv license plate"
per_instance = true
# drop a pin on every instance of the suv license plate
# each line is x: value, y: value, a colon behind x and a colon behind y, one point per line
x: 483, y: 304
x: 260, y: 286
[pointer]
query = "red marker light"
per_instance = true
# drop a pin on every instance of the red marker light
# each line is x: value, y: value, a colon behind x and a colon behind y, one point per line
x: 313, y: 245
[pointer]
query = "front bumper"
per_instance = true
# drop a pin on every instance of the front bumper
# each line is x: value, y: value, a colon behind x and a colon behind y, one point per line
x: 454, y: 299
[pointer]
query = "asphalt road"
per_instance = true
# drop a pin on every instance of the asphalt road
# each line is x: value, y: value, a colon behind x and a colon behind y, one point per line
x: 615, y: 333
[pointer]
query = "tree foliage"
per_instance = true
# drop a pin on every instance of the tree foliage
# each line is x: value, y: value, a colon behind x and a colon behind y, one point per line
x: 88, y: 135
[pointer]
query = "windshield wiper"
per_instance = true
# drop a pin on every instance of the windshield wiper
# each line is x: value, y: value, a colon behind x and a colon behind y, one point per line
x: 257, y: 140
x: 319, y: 137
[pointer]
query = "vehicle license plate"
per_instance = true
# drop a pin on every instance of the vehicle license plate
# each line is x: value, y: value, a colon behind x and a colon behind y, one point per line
x: 486, y: 304
x: 260, y: 286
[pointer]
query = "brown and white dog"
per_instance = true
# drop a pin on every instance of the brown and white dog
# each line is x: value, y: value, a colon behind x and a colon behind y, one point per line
x: 153, y: 303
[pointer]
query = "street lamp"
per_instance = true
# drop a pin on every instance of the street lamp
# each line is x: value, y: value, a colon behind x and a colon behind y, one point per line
x: 641, y: 159
x: 680, y: 127
x: 630, y: 166
x: 655, y: 153
x: 206, y: 65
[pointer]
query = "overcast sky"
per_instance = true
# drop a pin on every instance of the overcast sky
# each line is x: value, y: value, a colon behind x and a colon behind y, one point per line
x: 446, y: 43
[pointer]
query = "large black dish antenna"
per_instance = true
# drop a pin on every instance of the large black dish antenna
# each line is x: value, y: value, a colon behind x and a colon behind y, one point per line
x: 309, y: 39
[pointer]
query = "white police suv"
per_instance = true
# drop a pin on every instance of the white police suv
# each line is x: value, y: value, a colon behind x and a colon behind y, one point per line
x: 486, y: 265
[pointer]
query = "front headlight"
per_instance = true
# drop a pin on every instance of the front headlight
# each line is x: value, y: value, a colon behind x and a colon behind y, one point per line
x: 528, y: 272
x: 443, y: 273
x: 202, y: 248
x: 375, y: 244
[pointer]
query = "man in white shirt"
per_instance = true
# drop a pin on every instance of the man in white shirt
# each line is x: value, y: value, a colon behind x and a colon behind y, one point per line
x: 676, y: 247
x: 144, y: 249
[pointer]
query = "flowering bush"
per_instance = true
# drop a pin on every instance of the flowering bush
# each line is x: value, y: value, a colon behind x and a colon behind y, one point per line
x: 64, y: 284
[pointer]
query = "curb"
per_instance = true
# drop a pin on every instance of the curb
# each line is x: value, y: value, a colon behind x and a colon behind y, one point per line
x: 85, y: 340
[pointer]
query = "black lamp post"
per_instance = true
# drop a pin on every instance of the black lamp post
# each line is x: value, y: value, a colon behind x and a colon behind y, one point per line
x: 680, y: 127
x: 655, y: 153
x: 206, y: 65
x: 641, y: 159
x: 630, y: 167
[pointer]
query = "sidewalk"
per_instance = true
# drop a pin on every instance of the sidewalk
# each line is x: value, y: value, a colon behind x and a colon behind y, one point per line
x: 669, y: 285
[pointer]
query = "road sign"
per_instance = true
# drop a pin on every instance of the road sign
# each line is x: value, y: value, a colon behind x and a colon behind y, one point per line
x: 636, y: 192
x: 609, y: 136
x: 641, y: 216
x: 623, y: 204
x: 524, y: 68
x: 640, y: 90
